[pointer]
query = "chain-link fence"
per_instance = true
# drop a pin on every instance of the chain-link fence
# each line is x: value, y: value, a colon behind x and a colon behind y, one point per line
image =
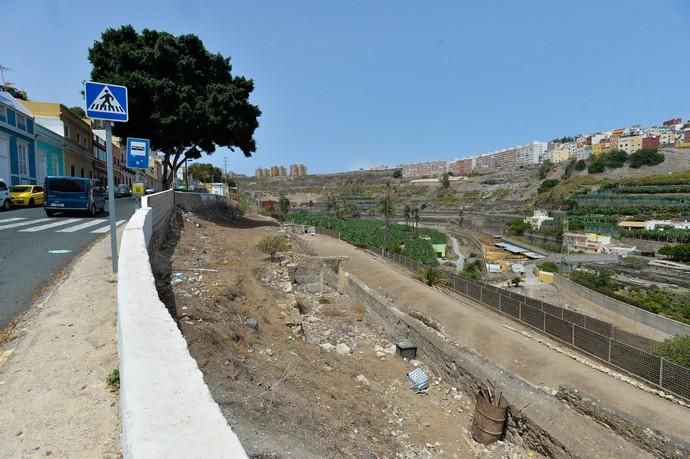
x: 595, y: 337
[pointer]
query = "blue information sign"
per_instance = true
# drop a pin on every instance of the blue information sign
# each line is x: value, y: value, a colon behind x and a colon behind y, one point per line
x: 106, y: 101
x: 138, y: 153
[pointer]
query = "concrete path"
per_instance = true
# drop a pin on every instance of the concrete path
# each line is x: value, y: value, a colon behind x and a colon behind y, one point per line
x: 473, y: 325
x: 53, y: 394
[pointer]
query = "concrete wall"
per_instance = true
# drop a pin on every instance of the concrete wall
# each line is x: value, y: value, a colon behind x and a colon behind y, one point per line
x: 663, y: 324
x: 161, y: 205
x: 166, y: 408
x: 194, y: 201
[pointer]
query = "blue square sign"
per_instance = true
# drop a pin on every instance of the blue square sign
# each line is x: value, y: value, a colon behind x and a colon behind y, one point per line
x: 106, y: 102
x: 138, y: 153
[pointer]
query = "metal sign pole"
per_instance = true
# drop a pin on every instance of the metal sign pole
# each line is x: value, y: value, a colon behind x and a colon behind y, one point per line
x: 111, y: 193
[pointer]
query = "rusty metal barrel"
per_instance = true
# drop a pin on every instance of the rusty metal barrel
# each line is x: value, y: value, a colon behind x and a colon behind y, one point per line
x: 489, y: 420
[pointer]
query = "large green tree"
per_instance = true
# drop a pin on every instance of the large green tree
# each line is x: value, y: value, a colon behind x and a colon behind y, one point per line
x: 181, y: 96
x: 206, y: 173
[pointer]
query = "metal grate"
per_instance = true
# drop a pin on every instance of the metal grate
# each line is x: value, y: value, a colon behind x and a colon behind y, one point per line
x: 599, y: 326
x: 631, y: 339
x: 474, y: 291
x: 574, y: 317
x: 636, y: 361
x: 592, y: 342
x: 534, y: 303
x: 490, y: 297
x: 553, y: 310
x: 675, y: 378
x: 558, y: 328
x: 510, y: 306
x: 533, y: 316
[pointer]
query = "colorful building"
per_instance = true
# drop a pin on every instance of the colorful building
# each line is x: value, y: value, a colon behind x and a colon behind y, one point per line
x: 50, y: 153
x: 78, y: 154
x: 17, y: 142
x: 630, y: 144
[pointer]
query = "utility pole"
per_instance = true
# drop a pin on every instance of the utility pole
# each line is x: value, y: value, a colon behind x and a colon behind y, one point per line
x: 186, y: 175
x: 386, y: 211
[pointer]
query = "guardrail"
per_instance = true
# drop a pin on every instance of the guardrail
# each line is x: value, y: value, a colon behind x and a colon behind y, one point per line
x: 594, y: 337
x: 166, y: 408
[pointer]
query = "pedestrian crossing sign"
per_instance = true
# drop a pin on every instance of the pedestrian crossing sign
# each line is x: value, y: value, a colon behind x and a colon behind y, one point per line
x: 106, y: 102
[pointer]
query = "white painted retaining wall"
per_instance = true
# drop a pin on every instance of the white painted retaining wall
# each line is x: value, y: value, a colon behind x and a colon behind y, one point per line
x: 166, y: 408
x: 655, y: 321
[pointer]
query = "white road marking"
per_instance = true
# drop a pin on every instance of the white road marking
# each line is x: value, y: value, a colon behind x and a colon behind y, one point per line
x: 105, y: 229
x: 50, y: 225
x: 12, y: 219
x: 72, y: 229
x: 59, y: 251
x: 30, y: 222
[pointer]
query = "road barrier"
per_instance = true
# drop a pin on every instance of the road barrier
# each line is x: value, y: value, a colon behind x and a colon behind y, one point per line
x: 594, y: 337
x: 166, y: 408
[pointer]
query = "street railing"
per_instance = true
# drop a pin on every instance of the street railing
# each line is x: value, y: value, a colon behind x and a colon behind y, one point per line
x: 594, y: 337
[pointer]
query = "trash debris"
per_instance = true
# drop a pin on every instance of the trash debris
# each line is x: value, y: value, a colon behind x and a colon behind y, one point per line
x: 419, y: 381
x: 177, y: 278
x: 407, y: 349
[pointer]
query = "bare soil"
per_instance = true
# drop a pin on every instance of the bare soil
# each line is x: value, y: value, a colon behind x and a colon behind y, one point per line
x: 280, y: 382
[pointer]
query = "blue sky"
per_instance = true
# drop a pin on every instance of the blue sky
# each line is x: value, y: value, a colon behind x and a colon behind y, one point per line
x: 350, y: 84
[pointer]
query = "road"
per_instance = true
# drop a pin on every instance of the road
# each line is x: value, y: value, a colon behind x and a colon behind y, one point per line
x: 34, y: 248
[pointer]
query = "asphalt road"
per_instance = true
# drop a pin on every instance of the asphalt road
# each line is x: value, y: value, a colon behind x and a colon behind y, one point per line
x: 34, y: 247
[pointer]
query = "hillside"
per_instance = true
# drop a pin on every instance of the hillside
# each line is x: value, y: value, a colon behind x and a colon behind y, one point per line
x: 503, y: 192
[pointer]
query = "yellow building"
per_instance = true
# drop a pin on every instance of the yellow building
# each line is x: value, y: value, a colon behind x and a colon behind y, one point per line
x: 630, y: 144
x: 79, y: 159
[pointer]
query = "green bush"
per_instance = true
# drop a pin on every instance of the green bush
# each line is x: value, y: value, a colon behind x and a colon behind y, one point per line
x: 614, y: 159
x: 676, y: 350
x: 546, y: 185
x: 270, y: 245
x: 581, y: 165
x: 548, y: 266
x: 680, y: 252
x: 544, y: 169
x: 646, y: 157
x: 518, y: 227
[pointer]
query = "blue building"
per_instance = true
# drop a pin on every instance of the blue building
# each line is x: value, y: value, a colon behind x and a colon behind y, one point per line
x: 17, y: 142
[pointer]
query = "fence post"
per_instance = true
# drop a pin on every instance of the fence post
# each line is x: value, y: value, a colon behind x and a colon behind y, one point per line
x: 610, y: 350
x: 544, y: 316
x: 572, y: 337
x: 481, y: 294
x: 519, y: 310
x: 661, y: 372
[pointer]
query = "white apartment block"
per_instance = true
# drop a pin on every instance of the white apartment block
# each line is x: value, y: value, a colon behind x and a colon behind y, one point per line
x: 530, y: 153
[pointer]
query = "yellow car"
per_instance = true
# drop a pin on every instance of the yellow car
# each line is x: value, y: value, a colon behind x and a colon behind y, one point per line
x: 26, y: 195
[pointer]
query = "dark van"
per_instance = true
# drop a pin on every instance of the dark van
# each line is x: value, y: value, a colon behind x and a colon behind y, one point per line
x: 73, y: 193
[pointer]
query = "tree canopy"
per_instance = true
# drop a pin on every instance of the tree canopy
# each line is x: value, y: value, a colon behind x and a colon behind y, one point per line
x: 181, y: 96
x: 206, y: 173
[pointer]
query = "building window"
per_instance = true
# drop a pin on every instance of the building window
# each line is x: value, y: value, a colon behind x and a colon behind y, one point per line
x: 72, y: 171
x: 82, y: 172
x: 21, y: 121
x: 67, y: 131
x: 56, y: 166
x: 23, y: 156
x: 3, y: 112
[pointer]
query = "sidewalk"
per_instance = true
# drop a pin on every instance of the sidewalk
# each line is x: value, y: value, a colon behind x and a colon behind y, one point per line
x: 484, y: 331
x: 53, y: 392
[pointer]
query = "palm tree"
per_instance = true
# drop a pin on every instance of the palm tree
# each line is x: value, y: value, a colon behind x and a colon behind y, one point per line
x: 407, y: 214
x: 387, y: 209
x: 432, y: 276
x: 415, y: 217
